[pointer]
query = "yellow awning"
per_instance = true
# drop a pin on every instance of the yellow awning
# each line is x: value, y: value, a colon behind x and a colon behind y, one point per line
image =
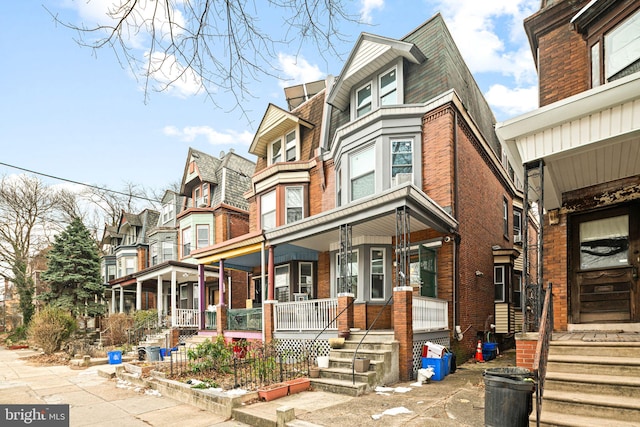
x: 231, y: 253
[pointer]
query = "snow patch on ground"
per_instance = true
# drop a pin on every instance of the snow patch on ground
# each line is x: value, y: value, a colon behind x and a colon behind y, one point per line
x: 393, y: 411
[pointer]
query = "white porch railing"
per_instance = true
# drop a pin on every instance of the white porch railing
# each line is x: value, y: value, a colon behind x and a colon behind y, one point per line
x: 188, y: 317
x: 430, y: 314
x: 306, y: 315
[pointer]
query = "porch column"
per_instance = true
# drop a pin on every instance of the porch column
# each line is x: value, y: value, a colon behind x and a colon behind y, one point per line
x: 113, y: 300
x: 403, y: 329
x: 173, y: 299
x: 221, y: 315
x: 159, y: 299
x: 121, y: 299
x: 221, y: 282
x: 346, y: 318
x: 138, y: 295
x: 201, y: 296
x: 271, y: 271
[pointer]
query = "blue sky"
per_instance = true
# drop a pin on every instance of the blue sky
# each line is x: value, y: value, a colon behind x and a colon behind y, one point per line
x: 69, y: 112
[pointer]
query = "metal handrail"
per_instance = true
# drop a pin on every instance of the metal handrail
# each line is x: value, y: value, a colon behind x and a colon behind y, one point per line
x: 324, y: 329
x: 355, y: 353
x: 542, y: 349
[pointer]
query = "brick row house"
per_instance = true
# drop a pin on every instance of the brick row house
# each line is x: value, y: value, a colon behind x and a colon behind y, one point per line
x: 382, y: 201
x: 579, y: 153
x: 147, y: 258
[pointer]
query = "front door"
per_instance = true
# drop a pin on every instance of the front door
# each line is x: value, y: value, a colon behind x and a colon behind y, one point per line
x: 605, y: 259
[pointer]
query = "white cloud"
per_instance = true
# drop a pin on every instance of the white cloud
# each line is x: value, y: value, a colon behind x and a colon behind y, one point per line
x: 214, y: 137
x: 172, y: 77
x: 512, y: 101
x: 369, y: 6
x: 297, y: 70
x: 490, y: 37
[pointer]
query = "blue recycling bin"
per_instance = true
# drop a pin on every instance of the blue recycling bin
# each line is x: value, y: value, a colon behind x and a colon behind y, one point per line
x: 115, y: 357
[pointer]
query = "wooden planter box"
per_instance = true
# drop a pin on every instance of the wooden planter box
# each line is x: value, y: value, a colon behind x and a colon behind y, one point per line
x: 297, y: 385
x: 273, y: 391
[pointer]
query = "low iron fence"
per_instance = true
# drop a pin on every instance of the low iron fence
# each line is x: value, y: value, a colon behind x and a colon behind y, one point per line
x: 238, y: 364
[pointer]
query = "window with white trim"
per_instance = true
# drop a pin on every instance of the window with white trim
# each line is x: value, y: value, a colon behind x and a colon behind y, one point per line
x: 205, y: 193
x: 202, y: 236
x: 186, y: 242
x: 401, y: 161
x: 305, y: 279
x: 167, y: 251
x: 377, y: 273
x: 268, y: 210
x: 517, y: 290
x: 130, y: 264
x: 294, y: 204
x: 153, y: 251
x: 168, y: 212
x: 499, y: 283
x: 348, y: 283
x: 388, y: 88
x: 282, y: 283
x: 517, y: 226
x: 505, y: 217
x: 363, y: 100
x: 285, y: 148
x: 362, y: 173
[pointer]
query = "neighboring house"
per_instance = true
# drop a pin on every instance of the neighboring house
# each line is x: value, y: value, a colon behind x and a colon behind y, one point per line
x: 126, y: 251
x: 579, y: 154
x: 209, y: 208
x: 389, y: 183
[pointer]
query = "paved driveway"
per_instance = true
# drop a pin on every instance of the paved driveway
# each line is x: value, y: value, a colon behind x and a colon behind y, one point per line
x: 93, y: 400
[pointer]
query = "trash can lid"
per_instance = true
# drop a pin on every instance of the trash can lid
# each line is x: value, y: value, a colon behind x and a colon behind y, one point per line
x: 513, y: 373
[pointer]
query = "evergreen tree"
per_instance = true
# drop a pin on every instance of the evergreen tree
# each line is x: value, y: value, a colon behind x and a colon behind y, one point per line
x: 73, y: 273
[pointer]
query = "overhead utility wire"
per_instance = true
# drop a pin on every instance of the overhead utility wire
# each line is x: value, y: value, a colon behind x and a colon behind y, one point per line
x: 80, y: 183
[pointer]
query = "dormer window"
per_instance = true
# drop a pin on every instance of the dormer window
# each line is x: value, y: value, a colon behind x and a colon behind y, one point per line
x: 284, y: 149
x: 388, y: 88
x: 363, y: 100
x: 383, y: 89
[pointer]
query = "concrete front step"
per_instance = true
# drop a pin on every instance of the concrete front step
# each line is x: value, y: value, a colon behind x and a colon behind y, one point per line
x: 554, y: 419
x: 601, y: 384
x: 594, y: 365
x: 586, y: 348
x: 347, y: 353
x: 346, y: 374
x: 592, y: 405
x: 372, y: 336
x: 340, y: 386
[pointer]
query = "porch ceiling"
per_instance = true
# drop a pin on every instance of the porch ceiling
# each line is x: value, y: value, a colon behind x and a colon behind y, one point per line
x: 588, y: 139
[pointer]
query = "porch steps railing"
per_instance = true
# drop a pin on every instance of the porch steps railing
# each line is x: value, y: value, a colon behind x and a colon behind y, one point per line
x: 592, y: 383
x: 379, y: 347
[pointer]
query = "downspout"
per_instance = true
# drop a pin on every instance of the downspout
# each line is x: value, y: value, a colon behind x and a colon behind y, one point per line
x: 456, y: 240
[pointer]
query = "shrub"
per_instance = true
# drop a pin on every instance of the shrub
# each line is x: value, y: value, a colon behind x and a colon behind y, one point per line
x: 115, y: 329
x: 146, y: 318
x: 210, y: 356
x: 50, y: 327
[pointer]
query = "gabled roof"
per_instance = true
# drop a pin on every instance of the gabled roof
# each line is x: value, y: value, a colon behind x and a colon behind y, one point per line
x: 206, y: 165
x: 370, y: 53
x: 275, y: 122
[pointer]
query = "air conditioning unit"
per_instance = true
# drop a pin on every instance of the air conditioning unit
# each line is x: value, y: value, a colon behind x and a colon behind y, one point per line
x: 517, y: 238
x: 401, y: 178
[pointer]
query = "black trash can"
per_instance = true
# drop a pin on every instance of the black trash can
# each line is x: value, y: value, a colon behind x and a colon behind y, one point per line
x: 507, y: 397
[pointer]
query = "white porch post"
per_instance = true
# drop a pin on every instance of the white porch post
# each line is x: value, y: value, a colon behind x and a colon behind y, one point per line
x: 159, y: 299
x: 113, y: 300
x: 121, y: 299
x: 138, y: 295
x: 173, y: 298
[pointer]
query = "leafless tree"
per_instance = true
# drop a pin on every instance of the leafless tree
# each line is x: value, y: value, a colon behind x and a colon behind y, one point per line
x: 213, y: 45
x: 27, y: 212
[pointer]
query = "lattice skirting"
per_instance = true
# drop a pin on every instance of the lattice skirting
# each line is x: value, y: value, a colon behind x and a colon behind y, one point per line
x: 440, y: 337
x: 299, y: 346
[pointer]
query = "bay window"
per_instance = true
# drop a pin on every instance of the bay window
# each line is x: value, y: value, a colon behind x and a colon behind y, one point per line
x: 294, y: 204
x: 362, y: 173
x: 401, y: 161
x: 186, y: 242
x: 499, y: 283
x: 202, y: 236
x: 268, y: 210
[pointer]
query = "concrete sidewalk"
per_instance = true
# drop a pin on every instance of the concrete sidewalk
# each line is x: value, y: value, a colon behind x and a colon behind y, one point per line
x: 94, y: 400
x: 97, y: 400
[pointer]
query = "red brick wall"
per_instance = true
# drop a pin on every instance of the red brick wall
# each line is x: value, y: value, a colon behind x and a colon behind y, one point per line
x: 481, y: 190
x: 564, y: 66
x: 402, y: 310
x: 526, y: 350
x: 324, y: 276
x: 555, y: 268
